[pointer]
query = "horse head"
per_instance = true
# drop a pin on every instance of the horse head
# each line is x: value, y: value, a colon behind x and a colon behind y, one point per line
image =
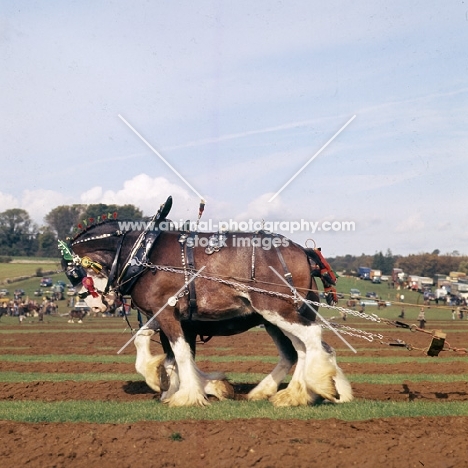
x: 96, y: 258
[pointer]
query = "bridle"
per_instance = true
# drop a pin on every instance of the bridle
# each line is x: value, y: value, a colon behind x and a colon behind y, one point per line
x: 76, y: 267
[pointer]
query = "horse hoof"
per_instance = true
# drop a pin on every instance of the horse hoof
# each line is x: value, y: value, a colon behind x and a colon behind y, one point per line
x: 295, y: 394
x: 186, y: 398
x: 221, y: 389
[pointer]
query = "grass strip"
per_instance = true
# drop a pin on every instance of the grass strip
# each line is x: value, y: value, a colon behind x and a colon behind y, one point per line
x: 12, y: 377
x: 129, y: 359
x: 234, y: 377
x: 129, y: 412
x: 62, y: 331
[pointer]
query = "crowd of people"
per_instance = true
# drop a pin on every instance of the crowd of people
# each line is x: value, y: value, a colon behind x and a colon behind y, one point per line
x: 28, y: 308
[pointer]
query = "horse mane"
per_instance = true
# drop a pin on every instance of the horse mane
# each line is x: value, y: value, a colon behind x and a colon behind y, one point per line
x: 91, y: 226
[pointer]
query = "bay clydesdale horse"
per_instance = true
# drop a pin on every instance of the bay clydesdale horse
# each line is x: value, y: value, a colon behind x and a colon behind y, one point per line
x: 226, y: 299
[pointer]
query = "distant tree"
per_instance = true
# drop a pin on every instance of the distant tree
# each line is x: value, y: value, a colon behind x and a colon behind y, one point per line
x: 17, y: 233
x: 64, y: 219
x: 378, y: 262
x: 47, y: 243
x: 94, y: 211
x: 463, y: 266
x: 389, y: 263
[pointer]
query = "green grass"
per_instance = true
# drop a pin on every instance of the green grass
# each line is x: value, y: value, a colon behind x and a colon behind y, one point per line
x: 12, y: 270
x: 234, y: 377
x: 109, y: 359
x: 130, y: 359
x: 12, y: 377
x: 129, y: 412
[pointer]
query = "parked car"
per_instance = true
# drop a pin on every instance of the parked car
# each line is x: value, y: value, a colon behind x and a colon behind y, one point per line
x: 372, y: 295
x: 355, y: 294
x: 18, y: 293
x: 81, y: 305
x: 4, y: 292
x: 46, y: 282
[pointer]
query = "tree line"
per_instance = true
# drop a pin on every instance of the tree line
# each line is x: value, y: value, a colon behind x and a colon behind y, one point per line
x: 421, y: 264
x: 20, y: 236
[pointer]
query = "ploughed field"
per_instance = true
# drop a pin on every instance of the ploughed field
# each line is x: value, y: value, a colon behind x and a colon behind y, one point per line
x: 67, y: 399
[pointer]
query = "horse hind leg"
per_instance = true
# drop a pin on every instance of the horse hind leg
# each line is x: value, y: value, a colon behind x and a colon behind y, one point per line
x: 318, y: 372
x: 343, y: 387
x: 296, y: 393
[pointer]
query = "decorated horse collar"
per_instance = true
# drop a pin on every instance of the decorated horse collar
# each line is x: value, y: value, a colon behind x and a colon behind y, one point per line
x: 100, y: 236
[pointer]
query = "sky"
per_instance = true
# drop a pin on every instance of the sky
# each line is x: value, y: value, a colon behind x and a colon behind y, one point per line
x: 130, y: 102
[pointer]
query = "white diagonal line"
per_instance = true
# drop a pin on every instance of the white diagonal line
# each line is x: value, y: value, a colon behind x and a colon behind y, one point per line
x: 312, y: 158
x: 293, y: 289
x: 156, y: 152
x: 162, y: 308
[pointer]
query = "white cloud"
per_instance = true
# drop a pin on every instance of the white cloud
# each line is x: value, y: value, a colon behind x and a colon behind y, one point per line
x: 143, y: 191
x: 36, y: 202
x: 260, y: 208
x: 8, y: 201
x: 411, y: 224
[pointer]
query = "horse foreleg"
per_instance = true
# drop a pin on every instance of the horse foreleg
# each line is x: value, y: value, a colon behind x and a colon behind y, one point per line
x: 190, y: 392
x: 146, y: 364
x: 214, y: 384
x: 288, y: 357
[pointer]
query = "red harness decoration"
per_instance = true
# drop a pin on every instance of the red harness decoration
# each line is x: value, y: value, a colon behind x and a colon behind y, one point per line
x: 325, y: 272
x: 88, y: 283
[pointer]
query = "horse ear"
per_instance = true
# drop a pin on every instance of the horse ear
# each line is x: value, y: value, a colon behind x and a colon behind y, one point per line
x: 165, y: 208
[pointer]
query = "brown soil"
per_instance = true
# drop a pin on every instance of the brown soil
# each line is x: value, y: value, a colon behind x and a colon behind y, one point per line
x: 392, y: 442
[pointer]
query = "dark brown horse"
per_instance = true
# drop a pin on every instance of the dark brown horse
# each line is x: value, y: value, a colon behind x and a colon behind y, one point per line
x: 236, y: 290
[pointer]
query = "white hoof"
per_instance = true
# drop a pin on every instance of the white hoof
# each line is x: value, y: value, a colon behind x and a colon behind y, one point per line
x: 295, y: 394
x: 263, y: 391
x: 187, y: 398
x: 221, y: 389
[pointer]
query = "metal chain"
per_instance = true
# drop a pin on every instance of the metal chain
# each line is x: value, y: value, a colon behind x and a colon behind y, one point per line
x: 343, y: 329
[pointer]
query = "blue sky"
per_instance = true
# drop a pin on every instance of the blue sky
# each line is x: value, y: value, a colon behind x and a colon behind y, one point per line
x: 238, y: 96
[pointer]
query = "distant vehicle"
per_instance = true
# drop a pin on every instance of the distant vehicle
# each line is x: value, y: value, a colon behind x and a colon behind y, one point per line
x: 61, y: 283
x: 371, y: 294
x: 81, y: 305
x: 364, y: 273
x: 38, y: 292
x: 384, y: 278
x: 429, y: 296
x: 19, y: 293
x: 4, y: 292
x: 375, y: 276
x: 355, y: 294
x: 46, y: 282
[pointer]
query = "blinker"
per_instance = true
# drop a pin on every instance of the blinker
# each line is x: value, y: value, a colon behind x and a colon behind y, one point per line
x: 75, y: 273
